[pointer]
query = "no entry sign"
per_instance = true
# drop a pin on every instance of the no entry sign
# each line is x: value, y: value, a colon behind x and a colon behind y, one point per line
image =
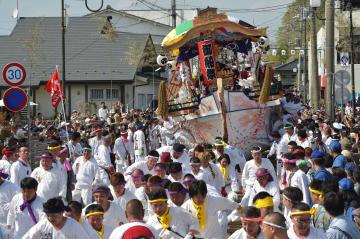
x: 15, y: 99
x: 14, y: 74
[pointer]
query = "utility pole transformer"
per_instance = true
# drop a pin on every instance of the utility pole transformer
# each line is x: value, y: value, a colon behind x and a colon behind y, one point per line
x: 314, y: 81
x: 329, y: 57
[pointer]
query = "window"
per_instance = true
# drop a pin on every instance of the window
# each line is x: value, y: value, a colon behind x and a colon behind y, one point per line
x: 115, y: 94
x: 96, y: 94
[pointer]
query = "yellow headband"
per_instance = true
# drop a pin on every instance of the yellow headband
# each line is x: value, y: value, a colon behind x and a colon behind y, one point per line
x: 265, y: 202
x: 312, y: 212
x: 94, y: 214
x: 315, y: 191
x: 158, y: 200
x: 54, y: 148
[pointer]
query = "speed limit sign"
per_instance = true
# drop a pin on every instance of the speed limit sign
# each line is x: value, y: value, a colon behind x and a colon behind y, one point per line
x: 14, y: 74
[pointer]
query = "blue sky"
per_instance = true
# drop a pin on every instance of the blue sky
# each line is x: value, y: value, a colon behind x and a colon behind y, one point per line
x: 255, y: 11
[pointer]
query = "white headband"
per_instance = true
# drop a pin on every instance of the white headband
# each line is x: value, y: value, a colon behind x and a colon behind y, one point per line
x: 274, y: 225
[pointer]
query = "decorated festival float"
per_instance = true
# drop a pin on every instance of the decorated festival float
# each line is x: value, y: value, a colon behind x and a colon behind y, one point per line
x: 218, y: 84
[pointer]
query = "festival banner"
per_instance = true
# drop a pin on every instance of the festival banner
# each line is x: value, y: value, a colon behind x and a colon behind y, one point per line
x: 207, y: 61
x: 53, y: 86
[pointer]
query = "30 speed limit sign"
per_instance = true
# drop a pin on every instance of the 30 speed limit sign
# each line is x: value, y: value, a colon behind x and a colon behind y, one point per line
x: 14, y: 74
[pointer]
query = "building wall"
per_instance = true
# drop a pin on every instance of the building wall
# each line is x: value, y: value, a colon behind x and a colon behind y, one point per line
x: 77, y: 96
x: 144, y: 95
x: 44, y: 103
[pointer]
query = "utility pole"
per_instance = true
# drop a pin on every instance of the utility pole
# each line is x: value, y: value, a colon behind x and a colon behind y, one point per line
x: 352, y: 58
x: 314, y: 81
x: 173, y: 12
x: 329, y: 56
x: 63, y: 47
x: 305, y: 47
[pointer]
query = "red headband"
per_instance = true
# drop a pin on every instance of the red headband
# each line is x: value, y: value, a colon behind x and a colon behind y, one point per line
x: 255, y: 219
x: 7, y: 152
x: 285, y: 160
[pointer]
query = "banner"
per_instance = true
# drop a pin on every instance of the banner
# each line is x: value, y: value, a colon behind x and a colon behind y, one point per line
x: 53, y: 86
x: 207, y: 61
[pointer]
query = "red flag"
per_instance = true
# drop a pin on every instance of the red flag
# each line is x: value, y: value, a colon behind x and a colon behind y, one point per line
x: 53, y: 86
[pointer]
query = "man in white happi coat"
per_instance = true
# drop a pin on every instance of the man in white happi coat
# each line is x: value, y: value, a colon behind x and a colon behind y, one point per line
x: 154, y: 135
x: 199, y: 174
x: 296, y: 177
x: 250, y: 221
x: 171, y: 222
x: 9, y: 157
x: 21, y: 168
x: 7, y: 191
x: 120, y: 194
x: 237, y: 158
x: 103, y: 112
x: 97, y: 140
x: 25, y: 209
x: 95, y: 216
x: 301, y: 226
x: 176, y: 172
x: 85, y: 169
x: 303, y: 139
x: 74, y: 146
x: 62, y: 162
x: 216, y: 178
x: 52, y: 182
x: 56, y: 225
x: 264, y: 183
x: 289, y: 135
x: 167, y: 131
x: 103, y: 160
x: 139, y: 143
x: 113, y: 213
x: 135, y: 180
x: 205, y: 208
x: 147, y: 166
x: 177, y: 194
x: 248, y: 176
x: 124, y: 151
x: 75, y: 213
x: 179, y: 155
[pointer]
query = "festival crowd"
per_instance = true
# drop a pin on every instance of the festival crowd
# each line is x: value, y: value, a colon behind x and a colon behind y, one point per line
x: 126, y: 175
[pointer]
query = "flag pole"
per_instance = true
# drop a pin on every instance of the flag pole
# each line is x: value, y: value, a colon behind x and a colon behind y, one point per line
x: 63, y: 110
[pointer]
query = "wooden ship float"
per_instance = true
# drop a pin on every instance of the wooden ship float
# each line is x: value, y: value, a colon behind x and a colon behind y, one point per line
x: 218, y: 84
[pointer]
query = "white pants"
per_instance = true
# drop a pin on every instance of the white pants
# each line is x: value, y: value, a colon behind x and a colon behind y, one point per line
x: 84, y: 194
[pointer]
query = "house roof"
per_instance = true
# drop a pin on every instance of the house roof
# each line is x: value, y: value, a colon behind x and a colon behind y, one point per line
x: 109, y: 9
x: 36, y: 43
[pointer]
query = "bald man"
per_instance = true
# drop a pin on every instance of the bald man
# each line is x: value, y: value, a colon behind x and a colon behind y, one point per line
x: 274, y: 226
x: 264, y: 183
x: 134, y: 214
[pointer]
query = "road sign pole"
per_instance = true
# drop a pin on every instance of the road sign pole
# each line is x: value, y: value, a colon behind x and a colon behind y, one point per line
x: 342, y: 95
x: 29, y: 121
